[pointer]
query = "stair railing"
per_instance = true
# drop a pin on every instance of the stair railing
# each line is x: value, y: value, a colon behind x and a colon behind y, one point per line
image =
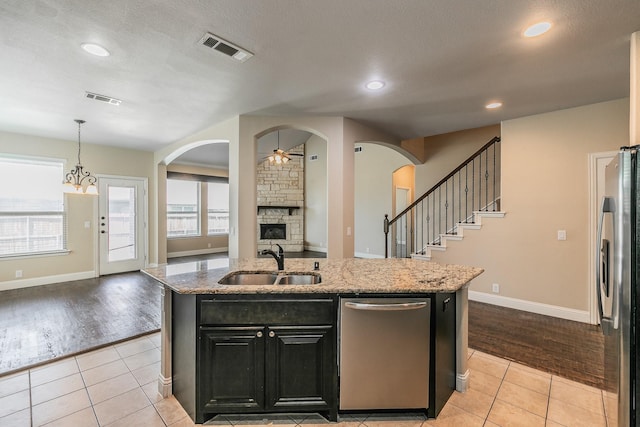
x: 472, y: 186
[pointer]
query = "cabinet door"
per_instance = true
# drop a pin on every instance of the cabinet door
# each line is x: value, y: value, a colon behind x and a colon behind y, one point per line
x: 231, y: 369
x: 301, y: 367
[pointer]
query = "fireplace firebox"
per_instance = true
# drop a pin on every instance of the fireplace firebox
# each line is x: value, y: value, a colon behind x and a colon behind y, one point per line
x: 273, y: 231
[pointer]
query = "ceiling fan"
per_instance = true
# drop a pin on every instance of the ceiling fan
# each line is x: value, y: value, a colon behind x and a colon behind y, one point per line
x: 280, y: 156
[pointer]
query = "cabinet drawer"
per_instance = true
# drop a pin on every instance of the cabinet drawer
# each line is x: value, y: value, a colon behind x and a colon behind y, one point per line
x: 271, y: 312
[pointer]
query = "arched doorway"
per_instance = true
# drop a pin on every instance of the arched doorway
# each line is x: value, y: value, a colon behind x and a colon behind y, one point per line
x: 193, y: 202
x: 292, y: 194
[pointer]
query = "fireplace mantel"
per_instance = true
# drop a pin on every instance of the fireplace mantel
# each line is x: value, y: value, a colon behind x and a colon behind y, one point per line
x: 290, y: 208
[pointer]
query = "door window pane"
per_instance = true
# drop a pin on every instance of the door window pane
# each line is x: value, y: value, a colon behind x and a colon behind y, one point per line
x: 32, y: 215
x: 218, y: 210
x: 183, y: 203
x: 122, y: 223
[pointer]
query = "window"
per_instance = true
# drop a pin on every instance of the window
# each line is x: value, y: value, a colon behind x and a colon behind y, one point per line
x: 183, y: 208
x: 32, y: 215
x: 218, y: 211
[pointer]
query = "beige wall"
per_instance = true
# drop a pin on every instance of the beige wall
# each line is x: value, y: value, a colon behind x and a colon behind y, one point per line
x: 100, y: 160
x: 447, y: 151
x: 315, y: 195
x: 544, y: 189
x: 374, y: 167
x: 201, y: 244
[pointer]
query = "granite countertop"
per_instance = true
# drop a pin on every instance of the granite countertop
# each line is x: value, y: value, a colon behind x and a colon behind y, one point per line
x: 349, y: 275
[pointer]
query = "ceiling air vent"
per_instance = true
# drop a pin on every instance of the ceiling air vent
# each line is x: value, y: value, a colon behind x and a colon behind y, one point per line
x: 103, y: 98
x: 217, y: 43
x: 358, y: 149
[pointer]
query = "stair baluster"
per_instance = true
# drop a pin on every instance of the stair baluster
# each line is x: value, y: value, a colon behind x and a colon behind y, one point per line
x: 416, y: 228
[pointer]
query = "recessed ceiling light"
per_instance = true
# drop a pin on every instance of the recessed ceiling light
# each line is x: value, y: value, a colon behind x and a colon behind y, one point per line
x: 95, y: 49
x: 537, y: 29
x: 375, y: 85
x: 493, y: 105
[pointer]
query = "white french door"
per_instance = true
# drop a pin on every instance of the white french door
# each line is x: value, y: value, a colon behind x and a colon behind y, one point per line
x: 122, y: 224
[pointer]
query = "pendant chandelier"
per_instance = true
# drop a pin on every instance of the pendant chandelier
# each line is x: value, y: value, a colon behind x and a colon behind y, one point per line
x: 74, y: 180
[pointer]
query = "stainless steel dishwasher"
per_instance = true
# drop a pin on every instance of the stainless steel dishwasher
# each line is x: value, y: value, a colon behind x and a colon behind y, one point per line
x: 384, y: 353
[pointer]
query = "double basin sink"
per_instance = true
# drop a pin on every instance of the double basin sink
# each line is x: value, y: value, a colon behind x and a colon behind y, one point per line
x: 256, y: 278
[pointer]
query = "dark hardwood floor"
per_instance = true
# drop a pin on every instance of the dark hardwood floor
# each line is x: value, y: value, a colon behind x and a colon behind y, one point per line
x: 43, y: 323
x: 569, y: 349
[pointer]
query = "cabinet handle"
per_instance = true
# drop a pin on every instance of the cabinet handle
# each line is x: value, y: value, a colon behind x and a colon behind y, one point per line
x: 259, y: 334
x: 272, y: 334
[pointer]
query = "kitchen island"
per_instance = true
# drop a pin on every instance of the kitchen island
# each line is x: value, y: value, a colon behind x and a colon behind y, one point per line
x: 259, y: 348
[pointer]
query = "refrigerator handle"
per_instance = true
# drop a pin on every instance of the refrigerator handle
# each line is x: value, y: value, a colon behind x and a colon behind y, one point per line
x: 606, y: 322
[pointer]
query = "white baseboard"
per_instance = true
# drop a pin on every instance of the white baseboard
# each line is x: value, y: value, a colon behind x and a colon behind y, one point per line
x: 197, y: 252
x: 315, y: 249
x: 366, y: 255
x: 165, y: 386
x: 462, y: 382
x: 532, y: 307
x: 46, y: 280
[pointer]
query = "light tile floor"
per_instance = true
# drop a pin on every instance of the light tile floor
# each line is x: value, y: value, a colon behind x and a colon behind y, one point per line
x: 117, y: 386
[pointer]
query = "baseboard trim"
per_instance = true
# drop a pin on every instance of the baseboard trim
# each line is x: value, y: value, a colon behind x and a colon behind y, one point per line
x: 197, y: 252
x: 164, y: 386
x: 532, y: 307
x: 315, y: 249
x: 366, y: 255
x: 462, y: 382
x: 46, y: 280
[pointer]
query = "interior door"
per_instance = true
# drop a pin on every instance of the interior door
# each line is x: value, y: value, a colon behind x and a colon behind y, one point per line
x: 403, y: 225
x: 121, y: 224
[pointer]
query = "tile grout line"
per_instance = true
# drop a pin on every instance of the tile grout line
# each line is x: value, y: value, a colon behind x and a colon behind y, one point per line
x: 486, y: 418
x: 30, y: 399
x: 548, y: 400
x: 87, y: 391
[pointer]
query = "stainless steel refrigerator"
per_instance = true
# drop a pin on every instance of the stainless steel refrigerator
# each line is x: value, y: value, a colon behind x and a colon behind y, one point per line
x: 617, y: 280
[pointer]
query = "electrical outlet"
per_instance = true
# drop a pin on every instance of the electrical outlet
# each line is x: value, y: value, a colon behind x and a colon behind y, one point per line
x: 208, y: 245
x: 18, y: 274
x: 562, y: 234
x: 367, y: 250
x: 495, y: 288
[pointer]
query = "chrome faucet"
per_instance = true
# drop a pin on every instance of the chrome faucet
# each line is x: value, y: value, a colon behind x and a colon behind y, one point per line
x: 279, y: 257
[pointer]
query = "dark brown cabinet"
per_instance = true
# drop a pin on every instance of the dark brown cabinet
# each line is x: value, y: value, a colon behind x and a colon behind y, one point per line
x: 300, y: 366
x: 232, y: 369
x: 258, y: 355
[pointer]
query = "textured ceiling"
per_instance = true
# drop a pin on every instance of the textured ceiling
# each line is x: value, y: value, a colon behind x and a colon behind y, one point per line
x: 443, y: 60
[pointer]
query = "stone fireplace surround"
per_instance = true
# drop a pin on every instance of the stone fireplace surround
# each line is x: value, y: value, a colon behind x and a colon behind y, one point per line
x: 280, y: 191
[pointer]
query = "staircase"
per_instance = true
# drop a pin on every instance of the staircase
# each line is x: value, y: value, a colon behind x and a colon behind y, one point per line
x: 457, y: 202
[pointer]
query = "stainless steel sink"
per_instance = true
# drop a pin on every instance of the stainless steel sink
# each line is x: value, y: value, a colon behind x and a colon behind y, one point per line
x: 248, y: 278
x: 299, y: 279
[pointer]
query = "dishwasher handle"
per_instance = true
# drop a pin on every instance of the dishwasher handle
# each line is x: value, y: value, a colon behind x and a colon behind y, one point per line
x: 386, y: 307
